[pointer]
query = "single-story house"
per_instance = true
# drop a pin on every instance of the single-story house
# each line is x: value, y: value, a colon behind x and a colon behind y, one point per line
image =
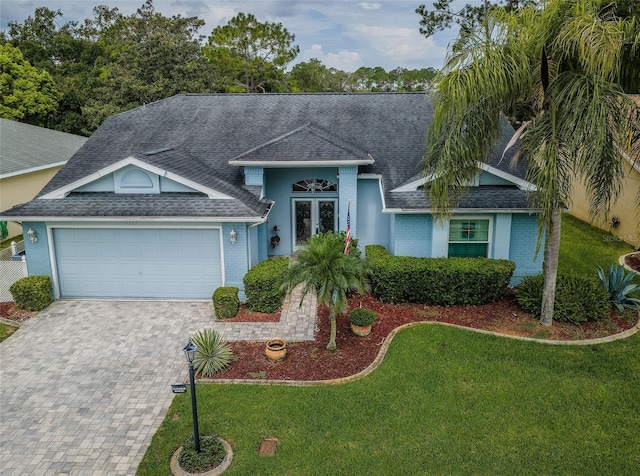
x: 29, y: 157
x: 178, y: 197
x: 622, y: 221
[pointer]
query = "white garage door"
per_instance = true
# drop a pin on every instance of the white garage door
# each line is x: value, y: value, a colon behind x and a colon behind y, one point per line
x: 137, y: 263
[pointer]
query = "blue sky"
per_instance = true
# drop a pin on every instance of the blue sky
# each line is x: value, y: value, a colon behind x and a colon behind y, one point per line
x: 345, y: 34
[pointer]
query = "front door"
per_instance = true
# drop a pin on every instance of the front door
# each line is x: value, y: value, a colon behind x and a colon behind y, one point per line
x: 313, y: 216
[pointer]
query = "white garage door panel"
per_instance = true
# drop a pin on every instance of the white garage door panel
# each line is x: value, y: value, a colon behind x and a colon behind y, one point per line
x: 144, y: 263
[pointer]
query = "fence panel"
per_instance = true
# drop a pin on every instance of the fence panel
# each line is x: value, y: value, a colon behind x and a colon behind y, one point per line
x: 11, y: 270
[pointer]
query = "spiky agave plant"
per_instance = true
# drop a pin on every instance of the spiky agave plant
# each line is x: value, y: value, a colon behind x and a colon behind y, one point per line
x: 213, y: 353
x: 620, y: 287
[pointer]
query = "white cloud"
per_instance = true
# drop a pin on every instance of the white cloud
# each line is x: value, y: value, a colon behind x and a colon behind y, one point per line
x: 343, y: 60
x: 369, y: 6
x: 401, y: 44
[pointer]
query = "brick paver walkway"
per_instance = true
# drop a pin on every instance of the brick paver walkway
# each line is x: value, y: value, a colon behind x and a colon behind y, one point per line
x: 84, y: 385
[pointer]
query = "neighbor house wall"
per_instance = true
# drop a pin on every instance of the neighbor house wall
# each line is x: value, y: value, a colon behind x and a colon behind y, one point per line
x: 624, y: 209
x: 21, y: 189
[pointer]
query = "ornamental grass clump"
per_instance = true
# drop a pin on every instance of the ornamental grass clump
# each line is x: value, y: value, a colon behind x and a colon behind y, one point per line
x: 213, y: 353
x: 211, y: 454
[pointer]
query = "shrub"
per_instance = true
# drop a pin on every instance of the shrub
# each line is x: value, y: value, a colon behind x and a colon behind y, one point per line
x: 226, y: 302
x: 261, y: 284
x: 211, y: 452
x: 362, y: 317
x: 578, y: 298
x: 619, y: 286
x: 441, y: 281
x: 32, y: 293
x: 213, y: 353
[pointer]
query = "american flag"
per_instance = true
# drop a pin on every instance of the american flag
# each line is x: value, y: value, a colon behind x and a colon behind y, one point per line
x: 348, y: 238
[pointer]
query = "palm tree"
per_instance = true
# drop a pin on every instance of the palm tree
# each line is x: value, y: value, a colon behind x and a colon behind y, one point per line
x: 556, y: 69
x: 324, y: 269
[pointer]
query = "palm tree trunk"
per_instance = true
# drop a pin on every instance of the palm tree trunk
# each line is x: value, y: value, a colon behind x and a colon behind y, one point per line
x: 331, y: 346
x: 550, y: 267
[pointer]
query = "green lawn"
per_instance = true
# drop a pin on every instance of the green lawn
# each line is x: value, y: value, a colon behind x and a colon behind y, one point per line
x: 583, y: 247
x: 6, y: 331
x: 444, y: 401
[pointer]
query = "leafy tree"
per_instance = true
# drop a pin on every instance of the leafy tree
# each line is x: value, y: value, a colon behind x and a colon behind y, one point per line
x: 68, y: 55
x: 252, y: 55
x: 28, y: 94
x: 150, y: 57
x: 577, y: 121
x: 324, y: 269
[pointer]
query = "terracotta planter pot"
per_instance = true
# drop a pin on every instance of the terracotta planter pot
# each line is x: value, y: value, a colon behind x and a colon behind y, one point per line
x: 276, y: 350
x: 361, y: 331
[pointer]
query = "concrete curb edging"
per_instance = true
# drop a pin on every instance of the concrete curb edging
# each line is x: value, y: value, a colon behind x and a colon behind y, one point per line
x: 387, y: 342
x: 624, y: 265
x: 9, y: 322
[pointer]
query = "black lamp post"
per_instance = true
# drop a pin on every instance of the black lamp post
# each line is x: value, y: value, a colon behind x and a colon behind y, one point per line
x: 190, y: 353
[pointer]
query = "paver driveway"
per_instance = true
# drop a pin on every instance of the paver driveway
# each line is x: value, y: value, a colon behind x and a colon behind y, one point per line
x: 85, y: 384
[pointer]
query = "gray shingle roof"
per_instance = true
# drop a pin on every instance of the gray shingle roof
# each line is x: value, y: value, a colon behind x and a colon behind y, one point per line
x: 109, y: 205
x: 308, y: 143
x: 197, y: 135
x: 477, y: 198
x: 24, y: 147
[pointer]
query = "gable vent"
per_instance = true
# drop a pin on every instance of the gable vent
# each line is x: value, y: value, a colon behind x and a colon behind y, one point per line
x: 136, y: 179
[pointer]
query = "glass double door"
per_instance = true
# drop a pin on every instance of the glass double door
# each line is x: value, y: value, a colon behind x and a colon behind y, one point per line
x: 313, y: 216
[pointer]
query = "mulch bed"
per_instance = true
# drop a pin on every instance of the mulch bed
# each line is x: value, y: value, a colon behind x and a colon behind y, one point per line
x: 633, y: 261
x: 311, y: 361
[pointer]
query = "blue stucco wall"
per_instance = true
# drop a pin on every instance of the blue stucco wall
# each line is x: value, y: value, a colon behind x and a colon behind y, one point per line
x: 413, y: 236
x: 236, y: 257
x: 348, y: 188
x: 372, y: 226
x: 278, y: 183
x: 38, y: 258
x: 524, y: 230
x: 254, y: 176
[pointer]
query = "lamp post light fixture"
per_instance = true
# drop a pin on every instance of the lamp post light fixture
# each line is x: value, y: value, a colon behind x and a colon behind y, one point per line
x: 190, y: 353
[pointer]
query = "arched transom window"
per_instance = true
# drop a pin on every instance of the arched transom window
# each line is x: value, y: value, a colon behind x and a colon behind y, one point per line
x: 315, y: 185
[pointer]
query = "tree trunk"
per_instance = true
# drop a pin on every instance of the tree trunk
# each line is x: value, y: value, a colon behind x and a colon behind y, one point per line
x: 331, y: 346
x: 550, y: 267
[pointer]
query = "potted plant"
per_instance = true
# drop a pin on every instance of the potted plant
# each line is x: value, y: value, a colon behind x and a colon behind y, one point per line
x: 361, y: 321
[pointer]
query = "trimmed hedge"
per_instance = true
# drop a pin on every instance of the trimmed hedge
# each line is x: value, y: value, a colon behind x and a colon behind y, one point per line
x: 261, y: 284
x: 32, y: 293
x: 225, y: 302
x: 578, y: 298
x: 437, y: 281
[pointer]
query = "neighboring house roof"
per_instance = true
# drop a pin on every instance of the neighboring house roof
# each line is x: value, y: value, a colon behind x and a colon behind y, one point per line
x: 25, y: 148
x: 205, y: 139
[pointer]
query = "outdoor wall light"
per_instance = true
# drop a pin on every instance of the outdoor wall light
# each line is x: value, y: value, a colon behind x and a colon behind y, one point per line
x: 233, y: 237
x: 32, y: 235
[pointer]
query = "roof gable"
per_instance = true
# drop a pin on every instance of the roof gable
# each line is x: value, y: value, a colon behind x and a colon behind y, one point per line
x: 417, y: 181
x: 140, y: 164
x: 305, y: 146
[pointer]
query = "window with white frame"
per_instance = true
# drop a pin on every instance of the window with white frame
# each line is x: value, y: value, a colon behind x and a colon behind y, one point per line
x: 469, y: 238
